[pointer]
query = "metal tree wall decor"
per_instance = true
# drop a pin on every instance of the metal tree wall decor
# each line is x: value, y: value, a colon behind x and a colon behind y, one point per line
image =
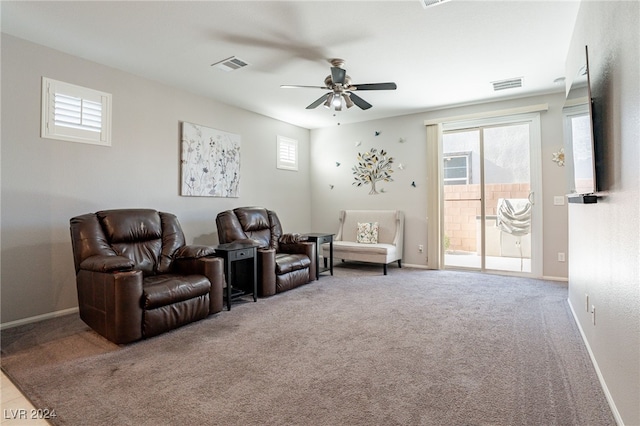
x: 372, y: 167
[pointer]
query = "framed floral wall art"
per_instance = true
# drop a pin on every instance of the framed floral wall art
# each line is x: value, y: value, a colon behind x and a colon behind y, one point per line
x: 210, y: 162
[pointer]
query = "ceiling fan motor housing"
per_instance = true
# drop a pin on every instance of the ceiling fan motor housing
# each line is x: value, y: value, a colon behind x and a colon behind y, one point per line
x: 338, y: 87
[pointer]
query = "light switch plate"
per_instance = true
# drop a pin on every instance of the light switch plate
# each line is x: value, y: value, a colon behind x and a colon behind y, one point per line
x: 558, y: 200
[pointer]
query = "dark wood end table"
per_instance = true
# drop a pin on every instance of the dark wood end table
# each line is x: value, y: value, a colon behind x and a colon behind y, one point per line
x: 240, y: 269
x: 322, y: 238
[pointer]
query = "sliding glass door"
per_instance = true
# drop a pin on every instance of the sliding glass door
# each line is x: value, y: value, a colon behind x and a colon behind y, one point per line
x: 488, y: 197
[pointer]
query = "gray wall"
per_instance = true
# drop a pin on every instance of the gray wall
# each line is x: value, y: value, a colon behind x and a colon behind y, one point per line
x: 338, y: 144
x: 604, y: 239
x: 45, y: 182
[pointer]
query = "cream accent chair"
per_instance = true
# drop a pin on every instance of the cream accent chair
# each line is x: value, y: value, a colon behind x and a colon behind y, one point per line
x: 390, y: 237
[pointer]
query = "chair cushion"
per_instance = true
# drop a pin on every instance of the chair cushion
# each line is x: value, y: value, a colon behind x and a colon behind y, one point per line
x: 253, y: 218
x: 353, y: 247
x: 256, y: 225
x: 286, y: 263
x: 148, y: 237
x: 130, y: 225
x: 162, y: 290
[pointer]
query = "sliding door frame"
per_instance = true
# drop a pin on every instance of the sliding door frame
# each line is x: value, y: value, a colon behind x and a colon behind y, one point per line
x: 436, y: 196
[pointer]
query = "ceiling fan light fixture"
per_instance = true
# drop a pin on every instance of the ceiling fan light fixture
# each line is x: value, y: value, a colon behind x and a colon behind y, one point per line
x: 347, y: 100
x: 337, y: 101
x: 327, y: 103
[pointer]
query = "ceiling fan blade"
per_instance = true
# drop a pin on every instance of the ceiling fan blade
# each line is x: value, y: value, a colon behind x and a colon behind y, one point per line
x: 290, y: 86
x: 374, y: 86
x: 359, y: 101
x: 320, y: 100
x: 338, y: 75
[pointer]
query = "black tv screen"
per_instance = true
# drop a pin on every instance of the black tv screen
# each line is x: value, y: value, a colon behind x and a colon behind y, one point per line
x: 580, y: 147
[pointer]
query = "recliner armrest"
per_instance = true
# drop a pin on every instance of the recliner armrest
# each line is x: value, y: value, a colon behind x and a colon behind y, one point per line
x: 306, y: 248
x: 111, y: 303
x: 302, y: 247
x: 104, y: 263
x: 266, y: 253
x: 212, y: 268
x: 194, y: 252
x: 267, y: 272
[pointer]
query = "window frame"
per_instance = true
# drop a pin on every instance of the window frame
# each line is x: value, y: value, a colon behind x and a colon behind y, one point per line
x: 288, y: 161
x: 457, y: 181
x: 75, y: 132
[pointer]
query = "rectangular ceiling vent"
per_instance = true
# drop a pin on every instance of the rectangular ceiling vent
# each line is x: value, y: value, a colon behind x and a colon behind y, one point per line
x: 511, y: 83
x: 428, y: 3
x: 230, y: 64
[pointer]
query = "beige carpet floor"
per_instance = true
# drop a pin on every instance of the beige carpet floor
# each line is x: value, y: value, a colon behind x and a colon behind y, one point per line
x: 415, y: 347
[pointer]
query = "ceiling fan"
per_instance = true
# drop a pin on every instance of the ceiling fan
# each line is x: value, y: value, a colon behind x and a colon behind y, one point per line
x: 341, y: 89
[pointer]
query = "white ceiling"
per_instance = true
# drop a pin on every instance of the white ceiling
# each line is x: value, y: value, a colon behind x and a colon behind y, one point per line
x: 440, y: 56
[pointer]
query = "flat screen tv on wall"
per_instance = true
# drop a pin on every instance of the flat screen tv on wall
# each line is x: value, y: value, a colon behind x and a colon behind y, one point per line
x: 580, y: 141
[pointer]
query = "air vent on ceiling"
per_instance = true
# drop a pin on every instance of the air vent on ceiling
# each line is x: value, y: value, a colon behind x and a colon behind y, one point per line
x: 230, y: 64
x: 427, y: 3
x: 511, y: 83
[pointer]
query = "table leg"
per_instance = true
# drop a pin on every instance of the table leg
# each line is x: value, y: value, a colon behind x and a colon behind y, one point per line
x: 229, y: 275
x: 318, y: 248
x: 331, y: 256
x: 255, y: 275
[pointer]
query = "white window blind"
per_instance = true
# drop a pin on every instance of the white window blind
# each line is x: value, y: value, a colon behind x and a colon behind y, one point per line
x: 287, y: 153
x: 75, y: 113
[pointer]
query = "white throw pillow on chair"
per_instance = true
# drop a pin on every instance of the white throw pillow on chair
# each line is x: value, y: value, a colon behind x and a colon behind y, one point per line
x: 367, y: 233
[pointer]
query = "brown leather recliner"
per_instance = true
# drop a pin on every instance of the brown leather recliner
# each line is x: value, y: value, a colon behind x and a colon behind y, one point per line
x: 284, y: 262
x: 137, y: 278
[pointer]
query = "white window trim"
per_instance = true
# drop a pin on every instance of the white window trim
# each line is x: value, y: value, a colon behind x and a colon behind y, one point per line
x: 74, y: 133
x: 287, y: 153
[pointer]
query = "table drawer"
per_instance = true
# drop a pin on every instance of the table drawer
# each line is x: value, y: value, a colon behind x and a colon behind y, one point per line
x: 325, y: 239
x: 241, y: 254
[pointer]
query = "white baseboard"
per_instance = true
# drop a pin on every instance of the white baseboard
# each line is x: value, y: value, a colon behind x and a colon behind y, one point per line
x: 551, y: 278
x: 544, y: 277
x: 37, y: 318
x: 607, y: 394
x: 411, y: 265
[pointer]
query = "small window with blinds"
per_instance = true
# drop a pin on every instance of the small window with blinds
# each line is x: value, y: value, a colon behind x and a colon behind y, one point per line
x: 74, y: 113
x: 287, y: 153
x: 457, y: 168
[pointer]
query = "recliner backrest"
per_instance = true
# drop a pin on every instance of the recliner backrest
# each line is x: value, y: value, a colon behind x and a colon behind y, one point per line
x: 255, y: 223
x: 148, y: 237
